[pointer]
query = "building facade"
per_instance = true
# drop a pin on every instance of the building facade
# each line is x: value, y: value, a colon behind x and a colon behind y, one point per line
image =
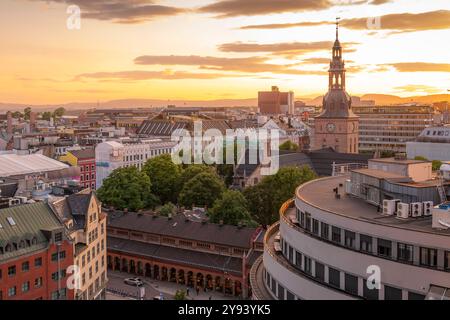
x: 337, y: 232
x: 276, y: 102
x: 111, y: 155
x: 86, y: 225
x: 337, y: 126
x: 85, y: 161
x: 35, y: 254
x: 433, y: 143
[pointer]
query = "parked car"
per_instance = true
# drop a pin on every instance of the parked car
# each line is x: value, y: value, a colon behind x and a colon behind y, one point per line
x: 136, y: 282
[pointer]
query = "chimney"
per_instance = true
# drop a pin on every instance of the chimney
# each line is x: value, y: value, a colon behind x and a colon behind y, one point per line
x: 9, y: 122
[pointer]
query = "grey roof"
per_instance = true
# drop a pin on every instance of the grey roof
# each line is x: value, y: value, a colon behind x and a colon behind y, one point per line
x: 198, y: 259
x: 180, y: 228
x: 337, y: 104
x: 84, y: 154
x: 30, y: 221
x: 322, y: 160
x: 161, y: 127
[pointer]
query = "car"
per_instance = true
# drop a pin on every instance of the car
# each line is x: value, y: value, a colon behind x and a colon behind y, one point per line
x: 137, y: 282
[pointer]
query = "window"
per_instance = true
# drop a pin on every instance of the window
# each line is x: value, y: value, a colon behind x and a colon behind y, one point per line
x: 280, y: 292
x: 350, y: 239
x: 58, y: 237
x: 384, y: 248
x: 320, y: 272
x: 351, y: 284
x: 315, y: 228
x: 25, y: 266
x: 308, y: 221
x: 302, y: 219
x: 324, y: 230
x: 12, y: 271
x: 415, y: 296
x: 38, y: 262
x: 365, y: 243
x: 26, y: 286
x: 391, y: 293
x: 334, y: 277
x: 428, y: 257
x: 370, y: 294
x: 38, y: 282
x: 12, y: 291
x: 62, y: 255
x: 289, y: 295
x: 308, y: 265
x: 446, y: 262
x: 336, y: 234
x: 405, y: 252
x: 83, y: 260
x: 298, y: 259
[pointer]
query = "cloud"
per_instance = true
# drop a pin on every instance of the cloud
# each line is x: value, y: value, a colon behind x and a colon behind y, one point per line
x: 248, y: 64
x: 303, y: 47
x: 121, y: 11
x: 418, y: 88
x: 234, y: 8
x: 420, y: 67
x: 137, y: 75
x: 399, y: 22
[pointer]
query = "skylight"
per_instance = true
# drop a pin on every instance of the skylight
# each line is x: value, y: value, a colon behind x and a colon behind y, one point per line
x: 11, y: 221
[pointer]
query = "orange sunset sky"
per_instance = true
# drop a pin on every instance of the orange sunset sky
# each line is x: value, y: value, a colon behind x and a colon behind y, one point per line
x: 218, y: 49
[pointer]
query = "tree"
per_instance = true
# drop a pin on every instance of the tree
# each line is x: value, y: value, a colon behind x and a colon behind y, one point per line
x: 420, y: 158
x: 191, y: 171
x: 231, y: 209
x: 289, y: 146
x: 58, y: 113
x: 17, y: 115
x: 127, y: 188
x: 436, y: 165
x: 167, y: 209
x: 27, y: 113
x: 266, y: 198
x: 202, y: 190
x: 165, y: 176
x: 180, y: 295
x: 47, y: 115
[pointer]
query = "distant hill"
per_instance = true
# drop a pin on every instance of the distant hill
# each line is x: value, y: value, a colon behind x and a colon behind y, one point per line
x: 251, y: 102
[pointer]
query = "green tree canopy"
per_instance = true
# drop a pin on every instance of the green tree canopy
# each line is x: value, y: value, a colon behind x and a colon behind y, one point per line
x: 203, y: 189
x: 59, y: 112
x: 231, y: 209
x: 26, y: 113
x: 168, y: 208
x: 165, y: 176
x: 127, y: 188
x: 46, y: 115
x: 180, y: 295
x: 192, y: 170
x: 289, y: 146
x: 436, y: 165
x: 266, y: 198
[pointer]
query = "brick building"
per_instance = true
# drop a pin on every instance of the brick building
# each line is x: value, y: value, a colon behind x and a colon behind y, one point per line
x: 85, y: 160
x: 35, y: 254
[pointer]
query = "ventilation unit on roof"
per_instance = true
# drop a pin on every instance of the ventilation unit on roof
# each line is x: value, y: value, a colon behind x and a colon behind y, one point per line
x: 427, y: 208
x: 402, y: 210
x: 416, y: 209
x: 390, y: 206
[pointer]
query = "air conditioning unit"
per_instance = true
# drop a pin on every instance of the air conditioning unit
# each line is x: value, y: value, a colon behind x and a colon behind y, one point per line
x: 390, y: 206
x: 416, y: 209
x: 427, y: 208
x: 348, y: 187
x: 403, y: 210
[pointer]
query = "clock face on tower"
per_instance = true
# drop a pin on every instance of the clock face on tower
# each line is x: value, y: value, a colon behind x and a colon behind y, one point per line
x: 331, y: 127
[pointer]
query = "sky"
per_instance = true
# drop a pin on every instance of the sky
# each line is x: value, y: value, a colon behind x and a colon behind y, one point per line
x: 217, y: 49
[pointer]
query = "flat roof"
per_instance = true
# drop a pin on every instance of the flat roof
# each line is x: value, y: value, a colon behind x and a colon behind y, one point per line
x: 379, y: 173
x: 14, y: 165
x: 319, y: 193
x: 395, y: 161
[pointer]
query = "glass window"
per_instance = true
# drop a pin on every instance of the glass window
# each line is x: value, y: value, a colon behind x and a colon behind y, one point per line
x: 415, y: 296
x: 365, y: 243
x: 324, y: 230
x: 320, y: 271
x: 428, y: 257
x: 298, y: 259
x: 336, y: 234
x: 12, y: 271
x: 384, y: 248
x: 289, y: 295
x: 334, y: 277
x: 370, y: 294
x: 308, y: 221
x: 315, y: 228
x: 38, y: 282
x: 25, y: 266
x: 26, y: 286
x: 308, y: 265
x: 38, y: 262
x: 350, y: 239
x: 280, y: 294
x: 447, y: 260
x: 391, y: 293
x: 12, y: 291
x: 351, y: 284
x: 405, y: 252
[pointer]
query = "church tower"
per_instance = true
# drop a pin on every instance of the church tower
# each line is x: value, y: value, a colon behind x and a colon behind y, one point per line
x: 337, y: 125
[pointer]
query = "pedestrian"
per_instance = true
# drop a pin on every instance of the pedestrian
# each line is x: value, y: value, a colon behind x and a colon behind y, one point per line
x: 198, y: 290
x: 187, y: 291
x: 209, y: 298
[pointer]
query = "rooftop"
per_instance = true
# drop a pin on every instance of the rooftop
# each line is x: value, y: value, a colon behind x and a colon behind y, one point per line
x: 14, y: 165
x: 84, y: 154
x: 319, y: 193
x: 398, y: 161
x: 180, y: 227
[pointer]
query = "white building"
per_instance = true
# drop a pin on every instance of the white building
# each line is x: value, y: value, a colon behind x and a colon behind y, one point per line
x: 433, y: 143
x: 111, y: 155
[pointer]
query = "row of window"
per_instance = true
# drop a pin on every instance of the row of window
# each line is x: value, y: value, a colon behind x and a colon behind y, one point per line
x: 26, y: 286
x: 100, y: 248
x: 86, y: 168
x: 332, y: 277
x: 25, y: 267
x: 87, y: 177
x: 384, y: 249
x: 140, y: 157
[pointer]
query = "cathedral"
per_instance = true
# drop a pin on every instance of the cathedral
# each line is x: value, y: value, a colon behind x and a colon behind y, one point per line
x: 337, y: 125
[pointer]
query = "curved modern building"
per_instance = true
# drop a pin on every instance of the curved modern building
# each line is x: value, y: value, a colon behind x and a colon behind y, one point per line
x: 338, y: 232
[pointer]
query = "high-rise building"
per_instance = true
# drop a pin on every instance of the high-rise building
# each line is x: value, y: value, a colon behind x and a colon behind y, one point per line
x: 337, y: 125
x: 276, y: 102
